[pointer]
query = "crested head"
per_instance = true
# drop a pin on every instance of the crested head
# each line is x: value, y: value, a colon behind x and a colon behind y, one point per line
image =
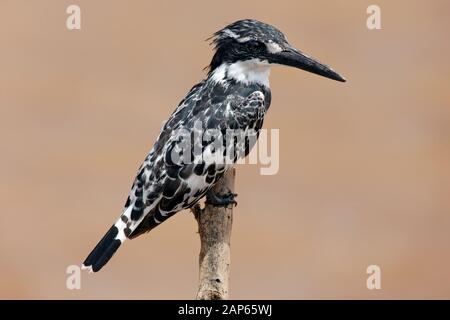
x: 246, y: 39
x: 245, y: 49
x: 242, y: 48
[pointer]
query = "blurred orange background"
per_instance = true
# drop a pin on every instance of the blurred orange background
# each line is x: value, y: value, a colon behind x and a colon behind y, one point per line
x: 364, y: 166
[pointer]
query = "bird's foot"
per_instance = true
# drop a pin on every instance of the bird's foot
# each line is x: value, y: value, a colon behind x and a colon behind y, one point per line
x: 221, y: 200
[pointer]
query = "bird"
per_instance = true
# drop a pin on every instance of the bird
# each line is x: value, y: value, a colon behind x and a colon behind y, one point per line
x: 234, y: 96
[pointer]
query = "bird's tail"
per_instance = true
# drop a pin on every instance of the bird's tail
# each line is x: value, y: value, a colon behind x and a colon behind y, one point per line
x: 103, y: 251
x: 110, y: 242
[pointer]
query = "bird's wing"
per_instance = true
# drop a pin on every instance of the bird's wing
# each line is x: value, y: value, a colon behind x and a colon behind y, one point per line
x: 182, y: 185
x: 151, y: 180
x: 163, y: 187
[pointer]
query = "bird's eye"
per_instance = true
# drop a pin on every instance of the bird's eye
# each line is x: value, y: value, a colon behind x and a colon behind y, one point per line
x: 254, y: 45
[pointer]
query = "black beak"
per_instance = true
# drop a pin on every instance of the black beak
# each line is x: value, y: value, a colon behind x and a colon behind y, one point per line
x: 294, y: 58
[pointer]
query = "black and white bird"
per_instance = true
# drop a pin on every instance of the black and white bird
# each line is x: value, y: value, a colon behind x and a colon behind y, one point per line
x: 234, y: 96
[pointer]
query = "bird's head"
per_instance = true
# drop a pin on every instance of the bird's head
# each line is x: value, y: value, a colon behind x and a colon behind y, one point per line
x: 252, y: 46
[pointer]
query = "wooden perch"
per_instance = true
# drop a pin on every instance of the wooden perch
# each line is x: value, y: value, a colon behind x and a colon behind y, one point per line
x: 214, y: 227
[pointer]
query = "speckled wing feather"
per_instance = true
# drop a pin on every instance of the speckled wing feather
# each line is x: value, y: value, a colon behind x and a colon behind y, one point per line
x: 163, y: 187
x: 184, y: 185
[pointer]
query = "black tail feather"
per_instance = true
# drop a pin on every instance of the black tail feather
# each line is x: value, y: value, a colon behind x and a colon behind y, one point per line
x: 103, y: 251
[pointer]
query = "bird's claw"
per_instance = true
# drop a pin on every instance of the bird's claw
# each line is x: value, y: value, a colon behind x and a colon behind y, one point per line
x: 221, y: 200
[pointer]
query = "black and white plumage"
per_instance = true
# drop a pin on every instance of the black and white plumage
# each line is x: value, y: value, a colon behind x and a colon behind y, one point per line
x: 233, y: 98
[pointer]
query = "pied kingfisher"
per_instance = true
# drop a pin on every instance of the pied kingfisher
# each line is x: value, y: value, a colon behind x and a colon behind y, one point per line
x: 235, y: 95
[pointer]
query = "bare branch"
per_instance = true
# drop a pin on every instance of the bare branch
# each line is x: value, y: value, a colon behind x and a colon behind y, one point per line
x: 214, y: 225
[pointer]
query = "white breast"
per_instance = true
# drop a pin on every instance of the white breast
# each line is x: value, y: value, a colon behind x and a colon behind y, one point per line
x: 247, y: 72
